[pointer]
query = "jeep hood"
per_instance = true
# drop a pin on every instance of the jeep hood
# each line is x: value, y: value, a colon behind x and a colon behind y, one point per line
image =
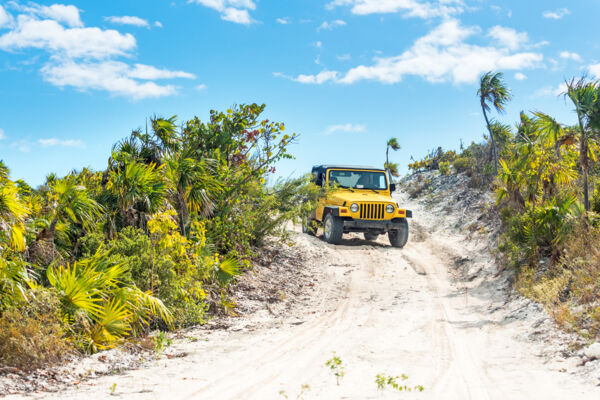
x: 359, y: 196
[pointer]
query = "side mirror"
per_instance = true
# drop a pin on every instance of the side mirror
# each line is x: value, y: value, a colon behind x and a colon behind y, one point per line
x: 392, y: 187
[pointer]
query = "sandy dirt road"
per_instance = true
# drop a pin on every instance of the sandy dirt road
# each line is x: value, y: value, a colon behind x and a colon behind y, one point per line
x: 382, y: 310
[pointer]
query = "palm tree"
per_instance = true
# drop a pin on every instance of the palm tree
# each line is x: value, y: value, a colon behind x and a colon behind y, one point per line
x: 492, y: 91
x: 68, y: 202
x: 392, y: 169
x: 13, y: 212
x: 139, y: 189
x: 585, y: 96
x: 191, y: 186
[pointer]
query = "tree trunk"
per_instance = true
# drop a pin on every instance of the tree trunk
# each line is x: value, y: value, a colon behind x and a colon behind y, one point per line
x: 583, y: 159
x: 183, y: 212
x: 47, y: 234
x: 491, y: 137
x: 387, y: 162
x: 584, y: 171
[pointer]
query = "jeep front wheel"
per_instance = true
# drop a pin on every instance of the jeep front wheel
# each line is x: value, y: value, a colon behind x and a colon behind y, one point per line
x: 333, y: 229
x: 398, y: 238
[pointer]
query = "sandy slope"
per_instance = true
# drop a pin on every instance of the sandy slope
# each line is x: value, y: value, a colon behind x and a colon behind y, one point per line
x: 434, y: 310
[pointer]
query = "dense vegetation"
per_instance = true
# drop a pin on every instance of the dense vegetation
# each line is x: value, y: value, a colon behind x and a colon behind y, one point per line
x: 153, y: 241
x: 547, y: 181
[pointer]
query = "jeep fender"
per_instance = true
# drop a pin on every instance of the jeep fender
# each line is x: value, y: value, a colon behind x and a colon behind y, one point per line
x: 333, y: 210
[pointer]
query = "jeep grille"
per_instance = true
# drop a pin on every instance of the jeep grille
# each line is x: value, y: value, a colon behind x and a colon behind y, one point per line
x: 372, y: 211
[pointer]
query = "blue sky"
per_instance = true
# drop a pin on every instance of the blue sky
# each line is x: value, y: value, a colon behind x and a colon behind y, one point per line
x: 344, y: 74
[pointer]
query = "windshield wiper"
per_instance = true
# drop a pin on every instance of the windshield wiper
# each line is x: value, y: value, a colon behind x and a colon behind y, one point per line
x: 375, y: 191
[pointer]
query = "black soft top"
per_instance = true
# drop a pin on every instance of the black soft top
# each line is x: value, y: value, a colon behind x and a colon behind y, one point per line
x: 323, y: 168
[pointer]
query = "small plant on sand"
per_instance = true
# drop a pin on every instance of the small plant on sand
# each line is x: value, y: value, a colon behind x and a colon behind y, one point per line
x: 335, y: 366
x: 161, y: 341
x: 383, y: 381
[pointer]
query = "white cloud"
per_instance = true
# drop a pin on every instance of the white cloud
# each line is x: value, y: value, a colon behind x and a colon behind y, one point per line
x: 113, y: 76
x: 128, y: 20
x: 158, y: 24
x: 344, y: 57
x: 331, y: 25
x: 553, y: 91
x: 520, y: 76
x: 5, y: 18
x: 201, y: 87
x: 568, y: 55
x: 348, y: 128
x: 595, y: 70
x: 239, y: 16
x: 408, y: 8
x: 319, y: 44
x: 50, y: 35
x: 148, y: 72
x: 560, y: 89
x: 319, y: 78
x: 68, y: 15
x: 62, y: 143
x: 230, y: 10
x: 556, y: 14
x: 508, y: 37
x: 440, y: 56
x: 84, y: 57
x: 283, y: 21
x: 500, y: 11
x: 2, y: 134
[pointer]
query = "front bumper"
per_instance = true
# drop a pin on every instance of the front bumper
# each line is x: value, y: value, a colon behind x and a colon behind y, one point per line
x: 362, y: 225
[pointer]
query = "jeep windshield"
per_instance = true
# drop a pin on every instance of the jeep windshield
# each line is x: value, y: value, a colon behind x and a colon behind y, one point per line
x: 349, y: 179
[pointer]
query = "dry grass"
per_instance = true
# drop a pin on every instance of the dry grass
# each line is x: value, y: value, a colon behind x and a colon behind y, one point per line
x: 570, y: 289
x: 420, y: 187
x: 31, y: 336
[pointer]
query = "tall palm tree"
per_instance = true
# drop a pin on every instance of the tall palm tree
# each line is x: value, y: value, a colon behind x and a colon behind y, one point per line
x: 585, y: 96
x: 392, y: 169
x: 492, y: 92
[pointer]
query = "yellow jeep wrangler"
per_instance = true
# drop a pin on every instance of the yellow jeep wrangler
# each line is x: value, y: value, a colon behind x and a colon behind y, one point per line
x: 361, y: 202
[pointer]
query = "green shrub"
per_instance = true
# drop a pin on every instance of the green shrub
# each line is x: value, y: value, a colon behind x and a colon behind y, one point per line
x: 444, y: 167
x: 148, y: 268
x: 90, y: 243
x: 595, y: 203
x: 32, y: 335
x: 463, y: 164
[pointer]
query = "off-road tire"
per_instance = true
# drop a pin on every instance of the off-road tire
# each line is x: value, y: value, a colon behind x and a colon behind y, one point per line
x: 310, y: 227
x: 398, y: 238
x: 333, y: 229
x: 371, y: 236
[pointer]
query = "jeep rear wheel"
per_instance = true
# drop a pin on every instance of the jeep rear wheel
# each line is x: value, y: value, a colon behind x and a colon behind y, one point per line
x: 333, y: 229
x: 398, y: 238
x: 310, y: 227
x: 371, y: 236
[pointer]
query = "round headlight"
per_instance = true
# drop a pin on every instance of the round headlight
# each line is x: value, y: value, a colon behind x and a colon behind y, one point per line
x: 389, y: 208
x: 354, y: 207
